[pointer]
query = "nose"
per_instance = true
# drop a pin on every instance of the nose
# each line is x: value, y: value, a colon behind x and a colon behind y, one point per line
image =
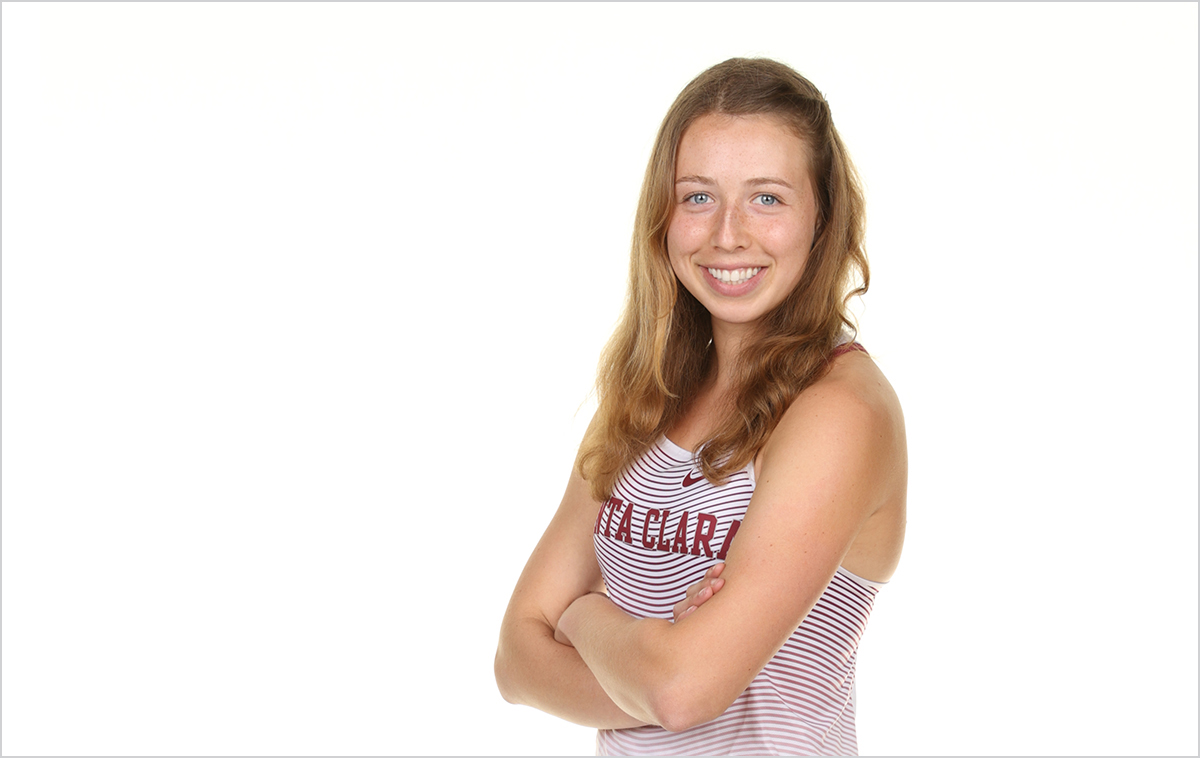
x: 730, y: 233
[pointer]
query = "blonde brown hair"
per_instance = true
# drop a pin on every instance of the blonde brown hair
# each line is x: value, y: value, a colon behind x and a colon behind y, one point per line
x: 660, y: 354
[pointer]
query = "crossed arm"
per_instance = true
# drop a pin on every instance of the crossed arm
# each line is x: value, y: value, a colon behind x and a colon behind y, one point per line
x: 829, y: 465
x: 531, y: 667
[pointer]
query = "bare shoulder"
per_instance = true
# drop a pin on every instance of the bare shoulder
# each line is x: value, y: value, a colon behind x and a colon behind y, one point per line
x: 854, y: 397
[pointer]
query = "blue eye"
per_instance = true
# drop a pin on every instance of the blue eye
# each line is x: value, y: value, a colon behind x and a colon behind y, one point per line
x: 768, y: 199
x: 697, y: 198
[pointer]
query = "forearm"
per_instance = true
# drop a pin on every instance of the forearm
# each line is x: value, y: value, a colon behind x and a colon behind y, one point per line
x: 532, y: 669
x: 629, y: 657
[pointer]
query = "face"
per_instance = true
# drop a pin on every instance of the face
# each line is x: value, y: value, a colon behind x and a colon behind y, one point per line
x: 744, y: 215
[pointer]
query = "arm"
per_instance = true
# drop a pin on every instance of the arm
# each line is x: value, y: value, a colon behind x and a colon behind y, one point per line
x: 836, y: 458
x: 533, y: 669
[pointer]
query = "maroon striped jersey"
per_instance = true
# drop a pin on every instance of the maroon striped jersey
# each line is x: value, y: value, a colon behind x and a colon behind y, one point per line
x: 663, y: 527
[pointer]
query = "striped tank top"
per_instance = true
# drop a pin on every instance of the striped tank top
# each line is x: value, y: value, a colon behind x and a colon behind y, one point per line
x: 663, y: 527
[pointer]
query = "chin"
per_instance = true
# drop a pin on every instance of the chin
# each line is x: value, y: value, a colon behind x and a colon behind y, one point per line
x: 735, y: 318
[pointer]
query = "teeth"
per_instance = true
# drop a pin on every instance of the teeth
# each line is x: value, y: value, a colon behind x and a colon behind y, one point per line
x: 733, y: 277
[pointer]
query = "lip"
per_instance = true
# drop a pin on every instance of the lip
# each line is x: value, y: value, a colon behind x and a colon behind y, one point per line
x: 731, y: 290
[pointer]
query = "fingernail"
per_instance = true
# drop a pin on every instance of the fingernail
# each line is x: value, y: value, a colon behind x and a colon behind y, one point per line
x: 704, y: 593
x: 689, y: 610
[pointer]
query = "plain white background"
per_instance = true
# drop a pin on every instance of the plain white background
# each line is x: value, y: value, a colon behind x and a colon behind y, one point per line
x: 301, y: 305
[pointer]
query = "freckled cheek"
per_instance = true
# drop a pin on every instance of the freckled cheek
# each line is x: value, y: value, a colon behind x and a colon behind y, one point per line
x: 785, y: 238
x: 686, y: 234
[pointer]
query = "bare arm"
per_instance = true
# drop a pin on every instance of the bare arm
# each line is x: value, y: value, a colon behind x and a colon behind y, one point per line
x: 531, y: 668
x: 836, y: 457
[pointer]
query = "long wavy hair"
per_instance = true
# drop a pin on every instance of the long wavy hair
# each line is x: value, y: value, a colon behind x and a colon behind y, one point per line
x: 659, y: 356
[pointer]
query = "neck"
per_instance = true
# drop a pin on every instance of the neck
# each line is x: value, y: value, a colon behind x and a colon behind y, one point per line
x: 728, y: 342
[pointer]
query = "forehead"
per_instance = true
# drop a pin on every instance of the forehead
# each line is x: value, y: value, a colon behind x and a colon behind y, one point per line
x: 741, y: 144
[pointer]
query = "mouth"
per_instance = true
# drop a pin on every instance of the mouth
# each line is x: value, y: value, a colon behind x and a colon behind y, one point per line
x: 734, y: 277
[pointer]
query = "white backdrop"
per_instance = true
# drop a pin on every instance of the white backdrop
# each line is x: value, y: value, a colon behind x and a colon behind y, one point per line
x: 301, y: 305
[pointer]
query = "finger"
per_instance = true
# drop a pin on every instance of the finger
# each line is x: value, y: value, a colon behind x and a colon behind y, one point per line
x: 690, y: 604
x: 678, y: 609
x: 691, y: 599
x: 707, y: 585
x: 704, y: 589
x: 695, y: 589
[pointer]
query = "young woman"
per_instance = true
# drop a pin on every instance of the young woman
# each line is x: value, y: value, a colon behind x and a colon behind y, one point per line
x: 739, y: 497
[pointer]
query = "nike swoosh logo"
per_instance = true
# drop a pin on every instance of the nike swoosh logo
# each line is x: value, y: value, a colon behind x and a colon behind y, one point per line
x: 688, y: 480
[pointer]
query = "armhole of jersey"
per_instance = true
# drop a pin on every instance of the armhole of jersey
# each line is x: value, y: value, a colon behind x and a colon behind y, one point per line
x: 864, y: 582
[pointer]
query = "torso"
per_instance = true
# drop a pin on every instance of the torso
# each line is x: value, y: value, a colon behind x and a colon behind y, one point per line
x: 663, y: 527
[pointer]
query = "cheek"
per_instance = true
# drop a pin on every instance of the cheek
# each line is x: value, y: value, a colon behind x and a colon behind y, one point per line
x: 677, y: 246
x: 678, y: 264
x: 673, y: 236
x: 686, y: 236
x: 794, y: 241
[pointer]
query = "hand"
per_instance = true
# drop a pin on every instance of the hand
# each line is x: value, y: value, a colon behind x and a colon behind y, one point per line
x: 700, y: 592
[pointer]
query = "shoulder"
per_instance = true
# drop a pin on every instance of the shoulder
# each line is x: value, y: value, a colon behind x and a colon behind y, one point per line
x: 853, y: 392
x: 850, y: 420
x: 855, y: 387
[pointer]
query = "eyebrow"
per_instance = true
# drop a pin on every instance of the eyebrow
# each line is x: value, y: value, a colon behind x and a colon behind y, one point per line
x: 755, y: 182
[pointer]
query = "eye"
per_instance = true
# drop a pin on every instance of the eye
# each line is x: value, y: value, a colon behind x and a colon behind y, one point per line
x: 697, y: 198
x: 768, y: 199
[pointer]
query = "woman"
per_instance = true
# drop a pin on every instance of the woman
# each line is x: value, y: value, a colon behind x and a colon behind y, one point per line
x: 732, y: 404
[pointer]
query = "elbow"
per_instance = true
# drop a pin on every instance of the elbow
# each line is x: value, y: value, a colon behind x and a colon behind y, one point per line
x: 678, y: 720
x: 685, y: 703
x: 504, y: 679
x: 676, y: 693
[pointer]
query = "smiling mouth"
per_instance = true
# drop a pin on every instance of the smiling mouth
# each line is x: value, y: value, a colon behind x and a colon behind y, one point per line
x: 737, y: 276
